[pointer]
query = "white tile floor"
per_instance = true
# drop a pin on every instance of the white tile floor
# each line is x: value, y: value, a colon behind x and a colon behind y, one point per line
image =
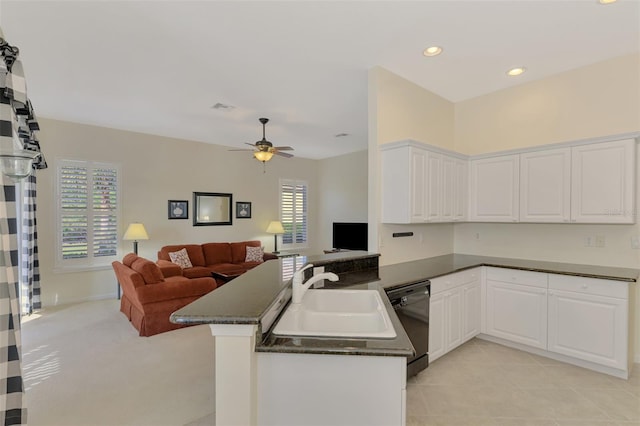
x: 482, y: 383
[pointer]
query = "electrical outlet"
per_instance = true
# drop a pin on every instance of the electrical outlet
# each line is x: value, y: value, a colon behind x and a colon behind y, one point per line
x: 600, y: 241
x: 588, y: 241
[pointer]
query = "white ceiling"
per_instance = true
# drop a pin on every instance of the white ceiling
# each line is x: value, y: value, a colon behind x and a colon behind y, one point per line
x: 158, y: 67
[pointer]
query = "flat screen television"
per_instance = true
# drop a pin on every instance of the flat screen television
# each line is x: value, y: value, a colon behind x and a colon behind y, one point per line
x: 350, y: 236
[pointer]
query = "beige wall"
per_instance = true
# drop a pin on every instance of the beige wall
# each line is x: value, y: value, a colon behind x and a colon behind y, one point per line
x: 398, y: 110
x: 343, y: 195
x: 154, y: 170
x: 597, y: 100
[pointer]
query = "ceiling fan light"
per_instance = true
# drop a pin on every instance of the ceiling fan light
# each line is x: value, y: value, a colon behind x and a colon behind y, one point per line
x: 263, y: 156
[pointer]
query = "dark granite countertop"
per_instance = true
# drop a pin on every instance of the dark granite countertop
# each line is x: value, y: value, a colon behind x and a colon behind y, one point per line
x: 247, y: 298
x: 400, y: 274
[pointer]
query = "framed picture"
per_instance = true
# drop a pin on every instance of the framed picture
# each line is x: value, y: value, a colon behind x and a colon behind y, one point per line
x: 243, y: 210
x: 178, y: 209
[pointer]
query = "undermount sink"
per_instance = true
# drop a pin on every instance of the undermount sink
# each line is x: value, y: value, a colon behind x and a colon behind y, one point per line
x: 337, y: 313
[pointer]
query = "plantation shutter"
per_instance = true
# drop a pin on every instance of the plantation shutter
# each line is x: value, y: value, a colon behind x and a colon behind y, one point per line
x: 293, y: 212
x: 88, y: 197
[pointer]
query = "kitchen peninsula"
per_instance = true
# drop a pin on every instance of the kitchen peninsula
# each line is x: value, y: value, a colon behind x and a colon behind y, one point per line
x: 259, y: 375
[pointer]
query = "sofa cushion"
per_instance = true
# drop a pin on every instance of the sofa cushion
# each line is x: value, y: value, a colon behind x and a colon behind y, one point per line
x: 181, y: 258
x: 151, y: 273
x: 227, y: 268
x: 216, y: 253
x: 174, y: 288
x: 129, y: 259
x: 239, y: 250
x: 254, y: 254
x: 193, y: 250
x: 196, y: 272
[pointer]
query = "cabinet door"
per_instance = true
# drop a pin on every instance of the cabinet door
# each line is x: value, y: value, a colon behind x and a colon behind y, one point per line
x: 545, y: 186
x: 461, y: 190
x: 517, y: 313
x: 602, y: 183
x: 436, y: 326
x: 449, y: 192
x: 453, y: 313
x: 495, y: 189
x: 470, y: 310
x: 588, y: 327
x: 433, y: 187
x: 418, y: 160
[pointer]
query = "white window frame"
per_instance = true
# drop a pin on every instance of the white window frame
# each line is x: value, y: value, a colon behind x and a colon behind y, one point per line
x: 294, y: 182
x: 90, y: 262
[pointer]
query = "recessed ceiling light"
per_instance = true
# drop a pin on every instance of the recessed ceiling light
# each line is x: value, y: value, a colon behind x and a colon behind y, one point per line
x: 432, y: 51
x: 516, y: 71
x: 606, y: 1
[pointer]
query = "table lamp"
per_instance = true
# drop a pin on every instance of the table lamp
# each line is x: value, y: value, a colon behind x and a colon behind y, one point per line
x: 135, y: 232
x: 275, y: 228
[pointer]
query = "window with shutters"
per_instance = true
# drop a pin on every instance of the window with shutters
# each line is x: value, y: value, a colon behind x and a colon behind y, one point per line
x: 88, y: 214
x: 293, y: 213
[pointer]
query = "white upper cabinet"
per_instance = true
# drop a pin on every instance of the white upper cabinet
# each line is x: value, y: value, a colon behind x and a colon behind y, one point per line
x: 495, y: 189
x: 602, y: 182
x: 403, y: 185
x: 589, y: 183
x: 433, y: 184
x: 421, y: 185
x: 460, y: 190
x: 545, y: 186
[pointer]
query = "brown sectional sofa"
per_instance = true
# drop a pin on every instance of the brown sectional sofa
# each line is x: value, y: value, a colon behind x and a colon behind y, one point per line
x: 150, y: 293
x: 224, y: 258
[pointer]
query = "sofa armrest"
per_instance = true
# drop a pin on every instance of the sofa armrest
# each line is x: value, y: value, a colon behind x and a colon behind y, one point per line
x: 169, y: 269
x: 269, y: 256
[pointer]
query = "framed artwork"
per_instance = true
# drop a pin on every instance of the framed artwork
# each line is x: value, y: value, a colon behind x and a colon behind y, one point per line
x: 178, y: 209
x: 243, y: 210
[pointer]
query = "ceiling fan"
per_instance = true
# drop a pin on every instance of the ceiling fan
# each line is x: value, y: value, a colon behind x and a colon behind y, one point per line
x: 263, y: 150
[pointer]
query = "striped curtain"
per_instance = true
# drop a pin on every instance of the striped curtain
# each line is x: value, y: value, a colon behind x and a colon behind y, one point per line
x: 17, y: 131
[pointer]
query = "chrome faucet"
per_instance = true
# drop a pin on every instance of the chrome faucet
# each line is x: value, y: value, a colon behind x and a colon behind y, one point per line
x: 299, y: 288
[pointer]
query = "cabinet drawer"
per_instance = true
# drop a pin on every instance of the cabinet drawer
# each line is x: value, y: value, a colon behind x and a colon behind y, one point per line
x: 595, y: 286
x: 515, y: 276
x: 448, y: 282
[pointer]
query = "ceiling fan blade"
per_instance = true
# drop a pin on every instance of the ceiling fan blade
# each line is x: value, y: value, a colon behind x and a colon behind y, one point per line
x: 283, y: 148
x: 250, y: 144
x: 283, y: 154
x: 241, y: 149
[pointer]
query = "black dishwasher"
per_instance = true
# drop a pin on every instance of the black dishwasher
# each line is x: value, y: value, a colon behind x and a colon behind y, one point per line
x: 411, y: 304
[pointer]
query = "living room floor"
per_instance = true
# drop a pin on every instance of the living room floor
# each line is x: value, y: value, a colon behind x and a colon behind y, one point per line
x: 84, y: 364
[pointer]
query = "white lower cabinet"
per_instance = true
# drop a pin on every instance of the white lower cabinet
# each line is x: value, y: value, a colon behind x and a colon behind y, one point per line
x: 588, y: 319
x: 454, y: 311
x: 517, y: 306
x: 312, y: 389
x: 471, y: 310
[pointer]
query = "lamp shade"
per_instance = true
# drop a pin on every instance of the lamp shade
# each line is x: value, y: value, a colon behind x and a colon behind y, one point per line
x: 263, y: 155
x: 135, y: 232
x: 275, y: 227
